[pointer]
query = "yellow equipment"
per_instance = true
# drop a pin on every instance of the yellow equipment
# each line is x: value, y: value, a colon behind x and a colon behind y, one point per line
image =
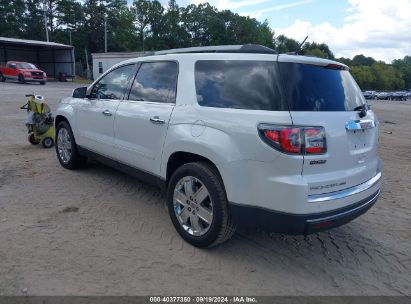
x: 39, y: 122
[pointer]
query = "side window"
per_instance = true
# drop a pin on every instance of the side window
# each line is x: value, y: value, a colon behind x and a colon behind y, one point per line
x: 238, y: 84
x: 156, y: 82
x: 114, y: 84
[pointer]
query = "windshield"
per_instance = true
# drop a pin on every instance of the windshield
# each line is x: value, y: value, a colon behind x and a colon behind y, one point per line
x: 316, y: 88
x: 25, y: 65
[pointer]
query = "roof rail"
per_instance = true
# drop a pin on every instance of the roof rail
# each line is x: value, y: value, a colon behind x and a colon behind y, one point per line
x: 246, y: 48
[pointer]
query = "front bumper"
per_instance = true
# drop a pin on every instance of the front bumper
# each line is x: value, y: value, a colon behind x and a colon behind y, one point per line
x: 270, y: 220
x: 34, y: 78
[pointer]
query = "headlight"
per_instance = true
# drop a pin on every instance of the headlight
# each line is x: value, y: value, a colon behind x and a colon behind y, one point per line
x: 27, y: 73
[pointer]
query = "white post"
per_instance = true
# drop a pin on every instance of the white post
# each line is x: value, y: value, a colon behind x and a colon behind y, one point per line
x: 105, y: 33
x: 45, y: 20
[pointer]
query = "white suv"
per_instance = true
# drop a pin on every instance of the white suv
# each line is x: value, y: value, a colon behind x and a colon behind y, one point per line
x: 236, y: 135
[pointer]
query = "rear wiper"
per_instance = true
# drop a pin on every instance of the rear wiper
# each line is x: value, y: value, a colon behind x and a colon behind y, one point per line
x: 363, y: 110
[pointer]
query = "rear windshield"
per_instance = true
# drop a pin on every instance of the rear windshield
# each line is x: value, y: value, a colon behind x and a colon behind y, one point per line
x: 238, y: 84
x: 315, y: 88
x: 257, y: 85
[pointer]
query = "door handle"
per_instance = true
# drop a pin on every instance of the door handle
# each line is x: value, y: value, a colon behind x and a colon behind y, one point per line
x: 107, y: 113
x: 156, y: 120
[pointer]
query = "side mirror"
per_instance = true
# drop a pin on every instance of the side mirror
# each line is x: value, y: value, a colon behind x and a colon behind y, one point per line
x: 80, y: 92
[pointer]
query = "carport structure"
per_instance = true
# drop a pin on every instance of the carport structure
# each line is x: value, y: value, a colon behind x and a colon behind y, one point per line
x: 53, y: 58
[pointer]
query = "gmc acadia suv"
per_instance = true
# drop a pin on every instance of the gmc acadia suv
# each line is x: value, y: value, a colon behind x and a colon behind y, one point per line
x: 236, y: 135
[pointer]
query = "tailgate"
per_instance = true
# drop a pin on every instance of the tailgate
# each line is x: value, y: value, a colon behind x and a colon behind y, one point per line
x: 351, y: 157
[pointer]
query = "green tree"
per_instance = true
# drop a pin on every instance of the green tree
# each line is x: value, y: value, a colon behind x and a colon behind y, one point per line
x: 317, y: 49
x: 121, y: 34
x: 34, y: 20
x: 363, y: 60
x: 404, y: 68
x: 11, y: 16
x: 284, y: 44
x: 141, y: 9
x: 365, y: 77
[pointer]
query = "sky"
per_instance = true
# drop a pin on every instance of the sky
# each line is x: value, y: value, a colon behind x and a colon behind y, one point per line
x: 376, y: 28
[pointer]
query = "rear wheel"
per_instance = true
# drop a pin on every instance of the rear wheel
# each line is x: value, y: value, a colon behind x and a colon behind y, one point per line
x: 21, y: 78
x: 66, y: 148
x: 2, y: 78
x: 47, y: 142
x: 197, y: 205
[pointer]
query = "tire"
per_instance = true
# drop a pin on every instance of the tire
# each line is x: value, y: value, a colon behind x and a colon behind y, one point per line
x: 219, y: 226
x: 2, y: 78
x: 32, y: 140
x: 42, y: 82
x: 66, y: 148
x: 47, y: 142
x: 21, y: 78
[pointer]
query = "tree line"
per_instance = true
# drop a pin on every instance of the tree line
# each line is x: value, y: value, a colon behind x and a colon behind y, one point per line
x: 147, y: 25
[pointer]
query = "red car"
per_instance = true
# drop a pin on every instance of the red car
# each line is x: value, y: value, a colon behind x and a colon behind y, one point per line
x: 23, y: 72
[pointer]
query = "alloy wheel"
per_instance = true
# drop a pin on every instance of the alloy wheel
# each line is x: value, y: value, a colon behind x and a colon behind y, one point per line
x: 193, y: 206
x: 64, y: 145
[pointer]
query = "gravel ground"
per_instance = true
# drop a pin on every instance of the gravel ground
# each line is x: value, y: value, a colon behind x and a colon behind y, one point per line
x: 100, y: 232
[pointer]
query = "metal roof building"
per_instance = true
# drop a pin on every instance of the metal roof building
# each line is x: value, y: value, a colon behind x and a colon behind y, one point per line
x: 53, y: 58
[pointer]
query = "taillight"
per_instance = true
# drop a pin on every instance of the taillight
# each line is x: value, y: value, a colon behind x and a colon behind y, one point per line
x: 334, y: 66
x: 294, y: 140
x: 314, y: 140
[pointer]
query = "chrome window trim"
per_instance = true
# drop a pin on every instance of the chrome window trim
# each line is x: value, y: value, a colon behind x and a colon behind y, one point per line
x: 317, y: 198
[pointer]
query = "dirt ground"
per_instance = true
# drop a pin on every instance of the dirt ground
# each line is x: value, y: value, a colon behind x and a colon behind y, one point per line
x: 100, y: 232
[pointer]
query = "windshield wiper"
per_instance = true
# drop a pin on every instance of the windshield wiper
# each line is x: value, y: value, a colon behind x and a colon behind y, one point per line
x: 363, y: 110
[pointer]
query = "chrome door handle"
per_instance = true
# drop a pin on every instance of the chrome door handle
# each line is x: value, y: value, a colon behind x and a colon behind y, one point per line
x: 157, y: 120
x: 107, y: 113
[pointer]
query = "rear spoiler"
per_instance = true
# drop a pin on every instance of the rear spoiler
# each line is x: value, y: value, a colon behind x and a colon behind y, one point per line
x: 326, y: 63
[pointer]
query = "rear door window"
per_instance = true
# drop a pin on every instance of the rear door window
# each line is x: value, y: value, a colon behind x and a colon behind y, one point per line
x: 318, y: 88
x: 155, y: 82
x: 238, y: 84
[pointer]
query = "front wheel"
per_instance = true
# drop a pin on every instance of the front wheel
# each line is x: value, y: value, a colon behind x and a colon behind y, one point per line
x: 66, y: 148
x: 2, y: 78
x: 21, y: 79
x: 197, y: 205
x: 42, y: 82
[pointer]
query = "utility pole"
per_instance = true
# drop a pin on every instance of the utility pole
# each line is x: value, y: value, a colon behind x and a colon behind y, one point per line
x: 45, y: 20
x: 87, y: 65
x: 105, y: 33
x: 71, y: 43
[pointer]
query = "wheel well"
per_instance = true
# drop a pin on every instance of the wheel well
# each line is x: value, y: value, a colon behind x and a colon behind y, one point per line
x: 60, y: 118
x: 177, y: 159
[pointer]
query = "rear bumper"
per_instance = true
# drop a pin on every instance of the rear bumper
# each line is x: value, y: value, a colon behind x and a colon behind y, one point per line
x: 270, y: 220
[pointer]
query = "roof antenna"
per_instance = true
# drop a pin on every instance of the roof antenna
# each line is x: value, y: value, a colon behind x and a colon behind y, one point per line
x: 301, y: 45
